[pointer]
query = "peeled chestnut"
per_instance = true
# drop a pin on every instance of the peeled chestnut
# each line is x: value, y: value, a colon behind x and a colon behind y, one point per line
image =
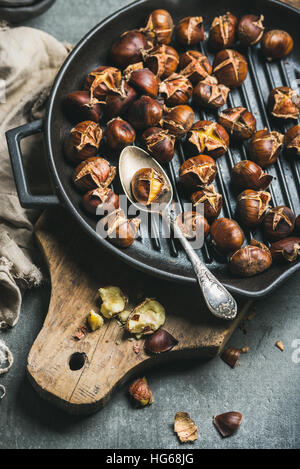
x: 287, y: 249
x: 128, y: 49
x: 238, y: 121
x: 119, y: 134
x: 159, y: 144
x: 250, y: 30
x: 148, y: 185
x: 162, y: 60
x: 116, y: 104
x: 93, y: 173
x: 144, y: 81
x: 198, y: 171
x: 159, y: 27
x: 279, y: 223
x: 212, y: 201
x: 192, y: 225
x: 222, y: 34
x: 251, y: 207
x: 209, y: 138
x: 119, y: 230
x: 284, y: 103
x: 145, y: 112
x: 80, y: 107
x: 209, y: 93
x: 265, y: 146
x: 178, y: 120
x: 83, y: 141
x: 230, y: 67
x: 176, y: 90
x: 102, y: 198
x: 250, y: 260
x: 227, y: 236
x: 190, y: 31
x: 102, y: 81
x: 276, y: 44
x: 292, y: 140
x: 248, y: 175
x: 195, y: 66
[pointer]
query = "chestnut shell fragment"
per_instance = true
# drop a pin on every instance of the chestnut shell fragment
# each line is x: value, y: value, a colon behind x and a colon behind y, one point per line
x: 160, y: 342
x: 228, y: 424
x: 250, y: 260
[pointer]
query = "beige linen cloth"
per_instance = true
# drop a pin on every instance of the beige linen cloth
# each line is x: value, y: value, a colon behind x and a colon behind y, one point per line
x: 29, y: 61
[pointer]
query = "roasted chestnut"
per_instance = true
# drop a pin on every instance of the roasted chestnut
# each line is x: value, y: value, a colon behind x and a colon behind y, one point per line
x: 83, y: 141
x: 102, y: 198
x: 148, y: 185
x: 176, y: 90
x: 162, y: 60
x: 195, y: 66
x: 276, y: 44
x: 265, y: 146
x: 145, y: 112
x: 80, y: 107
x: 178, y: 120
x: 117, y: 105
x: 251, y: 207
x: 209, y: 138
x: 114, y: 300
x: 230, y: 67
x: 159, y: 144
x: 239, y: 122
x: 250, y: 30
x: 292, y: 140
x: 144, y: 81
x: 93, y: 173
x: 119, y: 134
x: 284, y: 103
x: 209, y: 93
x: 250, y: 260
x: 279, y: 223
x: 102, y: 81
x: 159, y: 27
x: 198, y: 171
x: 226, y: 235
x: 222, y: 34
x: 190, y: 31
x: 128, y: 49
x: 248, y: 175
x: 192, y: 225
x: 146, y: 318
x: 119, y: 230
x: 212, y: 201
x: 287, y: 249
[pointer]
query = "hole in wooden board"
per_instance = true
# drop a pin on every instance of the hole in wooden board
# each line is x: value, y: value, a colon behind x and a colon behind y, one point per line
x: 77, y: 361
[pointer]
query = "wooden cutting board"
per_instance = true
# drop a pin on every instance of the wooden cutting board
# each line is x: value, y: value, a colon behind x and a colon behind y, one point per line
x: 106, y: 358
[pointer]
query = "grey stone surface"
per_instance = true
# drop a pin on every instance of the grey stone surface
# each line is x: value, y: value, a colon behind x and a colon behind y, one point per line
x: 265, y: 387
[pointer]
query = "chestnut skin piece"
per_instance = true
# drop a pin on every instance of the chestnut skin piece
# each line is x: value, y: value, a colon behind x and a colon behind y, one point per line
x: 238, y: 121
x: 213, y: 202
x: 117, y: 105
x: 276, y: 44
x: 93, y: 173
x: 227, y: 236
x: 292, y: 141
x: 209, y: 138
x: 162, y: 60
x: 195, y: 66
x: 230, y: 68
x: 279, y: 223
x: 176, y: 90
x: 252, y: 207
x: 284, y: 103
x: 248, y: 175
x: 228, y: 424
x: 193, y: 224
x: 265, y: 146
x: 120, y: 231
x: 148, y: 185
x: 102, y: 198
x: 210, y: 94
x: 128, y: 49
x: 160, y: 342
x: 144, y: 82
x: 159, y: 27
x: 250, y: 30
x: 159, y: 144
x: 197, y: 172
x: 145, y: 112
x: 286, y: 250
x: 80, y: 107
x: 222, y: 34
x: 250, y: 260
x: 190, y: 31
x: 83, y: 141
x: 178, y: 120
x: 102, y: 81
x: 119, y: 134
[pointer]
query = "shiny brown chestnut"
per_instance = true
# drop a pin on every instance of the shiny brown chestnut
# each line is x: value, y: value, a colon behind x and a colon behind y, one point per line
x: 100, y: 200
x: 83, y: 141
x: 178, y: 120
x: 238, y: 121
x: 159, y: 143
x: 276, y: 44
x: 222, y: 34
x: 248, y: 175
x: 160, y: 342
x: 212, y: 201
x: 209, y: 138
x: 128, y: 49
x: 279, y: 223
x: 120, y: 231
x: 286, y: 250
x: 93, y: 173
x: 227, y: 236
x: 148, y: 185
x: 102, y: 81
x: 144, y: 82
x: 159, y: 27
x: 210, y: 94
x: 117, y: 105
x: 265, y: 146
x: 192, y: 225
x: 80, y: 107
x: 250, y: 30
x: 119, y: 134
x: 145, y: 112
x: 197, y: 172
x: 284, y: 103
x: 230, y: 67
x: 190, y: 31
x: 228, y: 424
x: 195, y: 66
x: 162, y: 60
x: 176, y: 90
x: 251, y: 207
x: 292, y: 140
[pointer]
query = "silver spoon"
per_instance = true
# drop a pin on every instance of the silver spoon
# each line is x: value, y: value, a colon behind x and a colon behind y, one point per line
x: 219, y: 301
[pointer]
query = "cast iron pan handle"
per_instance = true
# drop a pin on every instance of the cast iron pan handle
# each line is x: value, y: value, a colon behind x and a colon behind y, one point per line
x: 14, y: 137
